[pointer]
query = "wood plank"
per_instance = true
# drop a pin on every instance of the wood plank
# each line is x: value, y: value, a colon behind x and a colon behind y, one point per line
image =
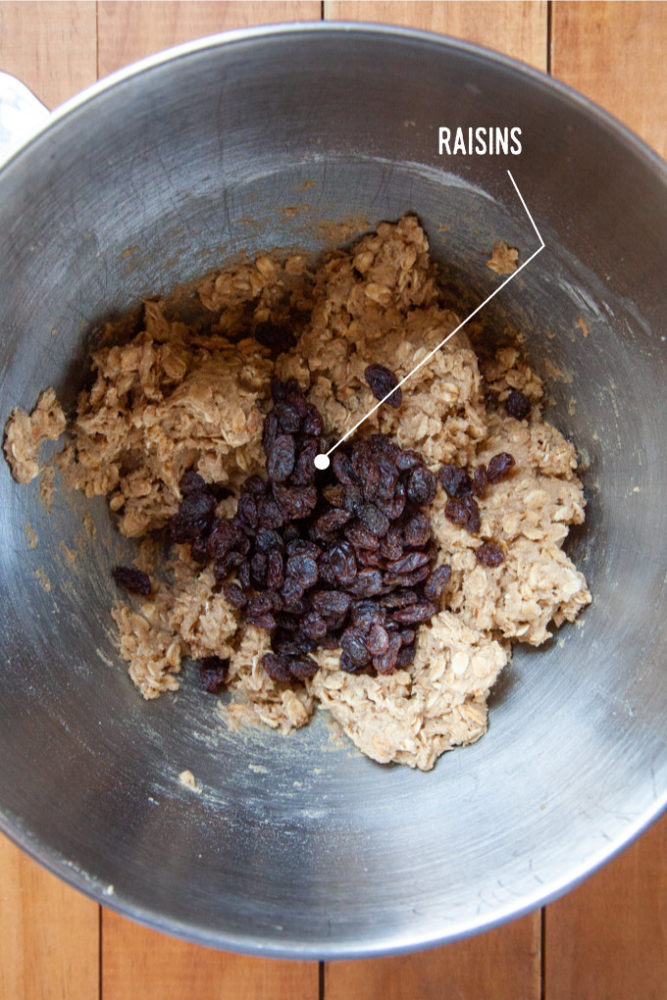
x: 51, y: 47
x: 503, y: 964
x: 49, y: 933
x: 608, y: 938
x: 130, y: 31
x: 614, y: 53
x: 137, y: 962
x: 518, y: 29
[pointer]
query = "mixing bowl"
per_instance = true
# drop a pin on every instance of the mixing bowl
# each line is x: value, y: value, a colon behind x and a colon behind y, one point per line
x: 299, y: 846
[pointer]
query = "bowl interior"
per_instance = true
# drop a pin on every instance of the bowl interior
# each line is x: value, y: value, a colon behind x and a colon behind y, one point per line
x: 299, y: 845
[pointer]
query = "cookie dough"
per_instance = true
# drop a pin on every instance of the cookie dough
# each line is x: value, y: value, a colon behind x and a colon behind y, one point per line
x: 173, y: 398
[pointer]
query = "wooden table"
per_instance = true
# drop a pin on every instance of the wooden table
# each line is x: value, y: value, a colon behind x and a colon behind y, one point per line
x: 606, y: 940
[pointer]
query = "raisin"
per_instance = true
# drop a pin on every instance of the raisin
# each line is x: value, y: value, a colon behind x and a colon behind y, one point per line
x: 400, y: 599
x: 436, y: 583
x: 406, y: 656
x: 456, y: 481
x: 271, y: 515
x: 415, y: 613
x: 302, y: 547
x: 394, y: 506
x: 303, y: 667
x: 212, y: 673
x: 192, y: 482
x: 314, y: 626
x: 343, y: 563
x: 256, y: 486
x: 378, y: 640
x: 267, y: 540
x: 330, y: 602
x: 276, y: 338
x: 342, y: 469
x: 500, y: 466
x: 270, y: 431
x: 258, y: 565
x: 490, y: 554
x: 223, y: 567
x: 517, y: 404
x: 479, y: 481
x: 235, y: 595
x: 243, y: 573
x: 313, y: 425
x: 292, y: 590
x: 296, y: 502
x: 135, y: 581
x: 348, y: 664
x: 421, y: 485
x: 303, y: 568
x: 393, y: 580
x: 274, y: 569
x: 361, y: 537
x: 374, y: 520
x: 328, y: 524
x: 304, y: 469
x: 224, y: 537
x: 198, y: 550
x: 366, y: 614
x: 407, y: 459
x: 353, y: 499
x: 391, y: 546
x: 281, y: 457
x: 464, y: 512
x: 247, y: 511
x: 194, y: 517
x: 385, y: 663
x: 381, y: 382
x: 408, y: 563
x: 277, y: 667
x: 367, y: 583
x: 354, y: 644
x: 371, y: 557
x: 289, y: 417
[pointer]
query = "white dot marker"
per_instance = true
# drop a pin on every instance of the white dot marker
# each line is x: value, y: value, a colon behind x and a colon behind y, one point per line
x: 322, y: 462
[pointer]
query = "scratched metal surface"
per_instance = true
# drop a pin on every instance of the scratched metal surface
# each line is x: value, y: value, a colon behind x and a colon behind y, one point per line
x: 300, y: 846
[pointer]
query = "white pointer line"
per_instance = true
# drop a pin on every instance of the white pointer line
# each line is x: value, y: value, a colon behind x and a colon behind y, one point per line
x: 319, y: 459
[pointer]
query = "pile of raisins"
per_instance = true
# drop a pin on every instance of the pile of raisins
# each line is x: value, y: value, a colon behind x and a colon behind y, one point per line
x: 327, y: 559
x: 323, y: 559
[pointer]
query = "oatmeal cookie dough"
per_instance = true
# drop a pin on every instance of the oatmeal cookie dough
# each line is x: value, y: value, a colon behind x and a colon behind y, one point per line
x: 24, y: 435
x: 174, y: 398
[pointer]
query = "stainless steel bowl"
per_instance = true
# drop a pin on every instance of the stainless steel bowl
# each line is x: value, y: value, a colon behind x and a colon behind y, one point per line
x: 298, y: 846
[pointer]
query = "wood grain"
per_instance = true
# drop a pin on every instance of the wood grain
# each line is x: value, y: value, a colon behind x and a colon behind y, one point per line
x: 51, y: 47
x: 608, y: 938
x: 604, y: 940
x: 503, y: 964
x: 137, y: 962
x: 49, y: 934
x: 130, y: 31
x: 518, y: 29
x: 615, y: 54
